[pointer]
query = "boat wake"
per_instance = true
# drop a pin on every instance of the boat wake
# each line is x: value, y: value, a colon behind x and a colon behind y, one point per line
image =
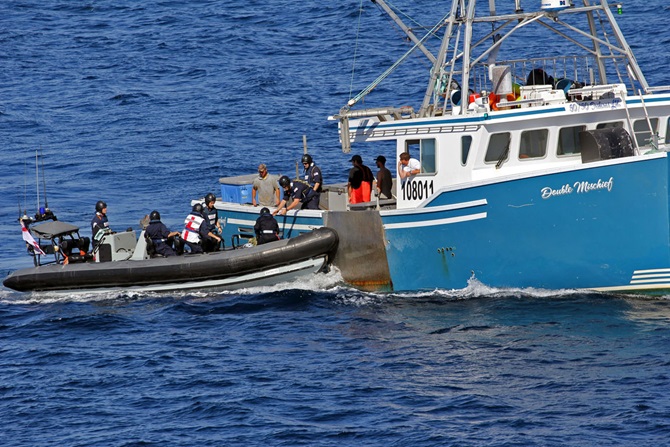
x: 330, y: 283
x: 320, y: 282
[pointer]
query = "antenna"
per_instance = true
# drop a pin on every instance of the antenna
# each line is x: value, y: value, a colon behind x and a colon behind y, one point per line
x: 25, y: 184
x: 37, y: 181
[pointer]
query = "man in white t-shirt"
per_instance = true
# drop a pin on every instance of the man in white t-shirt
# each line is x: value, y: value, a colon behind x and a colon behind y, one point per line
x: 408, y: 166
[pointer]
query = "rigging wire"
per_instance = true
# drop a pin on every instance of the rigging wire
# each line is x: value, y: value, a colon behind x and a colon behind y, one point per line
x: 388, y: 71
x: 353, y: 65
x: 404, y: 38
x: 428, y: 31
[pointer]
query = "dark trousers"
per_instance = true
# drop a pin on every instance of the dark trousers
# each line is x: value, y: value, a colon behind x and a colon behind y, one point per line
x: 209, y: 245
x: 312, y: 203
x: 164, y: 249
x: 195, y: 248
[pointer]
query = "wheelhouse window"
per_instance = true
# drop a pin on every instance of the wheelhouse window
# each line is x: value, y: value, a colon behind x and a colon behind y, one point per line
x: 498, y: 149
x: 425, y: 148
x: 609, y: 125
x: 533, y: 144
x: 568, y: 140
x: 642, y: 132
x: 466, y: 142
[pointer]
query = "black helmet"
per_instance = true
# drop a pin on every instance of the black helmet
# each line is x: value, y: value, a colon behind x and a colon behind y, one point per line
x: 307, y: 158
x: 284, y: 181
x: 155, y: 215
x: 99, y: 206
x: 197, y: 208
x: 210, y: 198
x: 265, y: 210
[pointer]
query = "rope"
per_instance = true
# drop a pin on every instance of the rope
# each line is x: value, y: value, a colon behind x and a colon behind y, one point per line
x: 353, y: 65
x: 430, y: 32
x: 388, y: 71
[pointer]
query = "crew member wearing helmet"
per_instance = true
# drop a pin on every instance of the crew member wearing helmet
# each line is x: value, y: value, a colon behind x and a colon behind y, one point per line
x: 160, y: 235
x: 99, y: 223
x: 297, y: 194
x: 196, y: 229
x: 314, y: 179
x: 211, y: 214
x: 266, y: 228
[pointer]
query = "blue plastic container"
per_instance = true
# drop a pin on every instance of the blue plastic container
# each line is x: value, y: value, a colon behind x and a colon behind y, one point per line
x: 236, y: 193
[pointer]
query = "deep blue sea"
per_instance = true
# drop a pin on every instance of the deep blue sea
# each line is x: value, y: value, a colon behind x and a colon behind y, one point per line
x: 146, y: 104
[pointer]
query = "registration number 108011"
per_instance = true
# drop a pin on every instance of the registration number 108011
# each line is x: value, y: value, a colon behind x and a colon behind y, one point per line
x: 417, y: 189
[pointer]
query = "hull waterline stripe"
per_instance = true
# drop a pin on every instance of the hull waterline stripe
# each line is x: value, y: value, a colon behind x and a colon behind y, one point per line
x: 421, y: 209
x: 642, y: 272
x: 658, y: 286
x: 251, y: 223
x: 650, y: 281
x: 658, y: 276
x: 432, y: 223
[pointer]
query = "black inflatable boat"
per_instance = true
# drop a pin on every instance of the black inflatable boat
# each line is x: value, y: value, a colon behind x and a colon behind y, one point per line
x: 266, y: 264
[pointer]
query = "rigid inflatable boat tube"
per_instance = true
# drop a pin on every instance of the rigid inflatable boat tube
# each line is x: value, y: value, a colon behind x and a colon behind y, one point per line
x: 176, y: 269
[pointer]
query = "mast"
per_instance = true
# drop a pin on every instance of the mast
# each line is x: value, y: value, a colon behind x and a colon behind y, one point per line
x: 632, y: 62
x: 467, y: 47
x: 436, y: 72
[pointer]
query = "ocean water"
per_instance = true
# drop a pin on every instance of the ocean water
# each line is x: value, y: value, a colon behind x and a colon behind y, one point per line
x: 145, y: 105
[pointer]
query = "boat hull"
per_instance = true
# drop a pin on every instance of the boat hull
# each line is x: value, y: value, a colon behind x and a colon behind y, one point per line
x: 262, y: 265
x: 588, y: 228
x: 599, y: 226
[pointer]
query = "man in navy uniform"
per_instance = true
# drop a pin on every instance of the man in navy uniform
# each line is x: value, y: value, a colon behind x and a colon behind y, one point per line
x: 296, y: 194
x: 160, y: 235
x: 99, y: 223
x: 314, y: 180
x: 266, y: 228
x: 212, y: 216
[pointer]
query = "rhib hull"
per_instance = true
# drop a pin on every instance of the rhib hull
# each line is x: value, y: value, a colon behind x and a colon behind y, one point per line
x: 261, y: 265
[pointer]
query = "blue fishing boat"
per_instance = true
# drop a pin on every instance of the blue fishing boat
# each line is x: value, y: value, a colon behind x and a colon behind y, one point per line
x: 547, y: 169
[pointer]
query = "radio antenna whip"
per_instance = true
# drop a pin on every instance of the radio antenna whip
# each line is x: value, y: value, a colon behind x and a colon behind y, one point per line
x: 37, y: 181
x: 44, y: 182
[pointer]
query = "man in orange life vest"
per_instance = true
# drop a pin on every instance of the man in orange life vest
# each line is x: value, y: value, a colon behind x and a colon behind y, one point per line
x: 360, y: 181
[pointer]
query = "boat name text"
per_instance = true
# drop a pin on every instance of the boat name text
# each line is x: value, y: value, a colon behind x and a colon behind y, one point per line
x: 578, y: 187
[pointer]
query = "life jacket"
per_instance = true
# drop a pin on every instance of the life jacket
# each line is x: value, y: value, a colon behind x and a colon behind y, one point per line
x: 191, y: 231
x: 266, y: 229
x: 212, y: 216
x: 307, y: 192
x: 310, y: 177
